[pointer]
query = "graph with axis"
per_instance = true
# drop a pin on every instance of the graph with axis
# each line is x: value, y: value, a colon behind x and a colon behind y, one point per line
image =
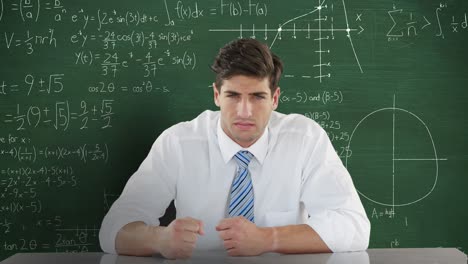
x: 321, y: 24
x: 393, y: 158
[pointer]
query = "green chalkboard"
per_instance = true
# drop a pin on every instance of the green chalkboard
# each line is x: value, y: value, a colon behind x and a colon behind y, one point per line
x: 87, y: 86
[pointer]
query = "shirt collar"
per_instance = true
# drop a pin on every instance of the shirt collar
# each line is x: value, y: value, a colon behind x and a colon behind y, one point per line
x: 229, y: 148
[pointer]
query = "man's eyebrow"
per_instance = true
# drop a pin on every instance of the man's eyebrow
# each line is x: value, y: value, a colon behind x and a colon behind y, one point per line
x: 259, y: 93
x: 237, y: 93
x: 231, y: 92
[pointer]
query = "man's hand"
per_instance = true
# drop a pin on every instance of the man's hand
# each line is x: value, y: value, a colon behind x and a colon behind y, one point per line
x: 243, y: 238
x: 179, y: 238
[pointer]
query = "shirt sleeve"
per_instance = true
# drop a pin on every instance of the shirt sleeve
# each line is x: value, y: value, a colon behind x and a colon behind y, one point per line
x: 147, y: 193
x: 330, y: 198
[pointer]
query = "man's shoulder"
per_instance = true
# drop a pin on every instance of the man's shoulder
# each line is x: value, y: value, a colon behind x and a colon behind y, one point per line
x: 202, y: 125
x: 294, y: 131
x: 293, y: 123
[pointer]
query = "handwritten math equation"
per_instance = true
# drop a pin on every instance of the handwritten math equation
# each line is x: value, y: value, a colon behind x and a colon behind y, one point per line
x: 408, y: 24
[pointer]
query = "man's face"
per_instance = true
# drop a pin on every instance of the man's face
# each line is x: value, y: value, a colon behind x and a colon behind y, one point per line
x: 246, y: 104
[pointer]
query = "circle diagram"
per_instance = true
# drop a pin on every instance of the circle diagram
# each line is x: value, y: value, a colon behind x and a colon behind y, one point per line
x: 392, y: 158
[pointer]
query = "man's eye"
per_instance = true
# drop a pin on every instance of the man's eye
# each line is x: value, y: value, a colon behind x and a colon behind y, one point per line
x: 259, y: 96
x: 232, y: 95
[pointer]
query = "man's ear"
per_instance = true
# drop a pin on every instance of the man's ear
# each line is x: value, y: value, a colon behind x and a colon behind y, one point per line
x: 215, y: 95
x: 276, y: 96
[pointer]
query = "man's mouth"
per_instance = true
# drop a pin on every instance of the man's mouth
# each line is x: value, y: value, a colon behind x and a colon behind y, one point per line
x: 244, y: 125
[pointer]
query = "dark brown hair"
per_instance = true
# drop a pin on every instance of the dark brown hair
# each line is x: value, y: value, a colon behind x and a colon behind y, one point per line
x: 247, y: 57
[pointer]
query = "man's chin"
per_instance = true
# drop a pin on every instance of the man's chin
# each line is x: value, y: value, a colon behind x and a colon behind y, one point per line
x: 246, y: 140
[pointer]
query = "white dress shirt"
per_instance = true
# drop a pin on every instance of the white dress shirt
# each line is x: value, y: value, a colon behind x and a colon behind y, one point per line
x: 296, y: 174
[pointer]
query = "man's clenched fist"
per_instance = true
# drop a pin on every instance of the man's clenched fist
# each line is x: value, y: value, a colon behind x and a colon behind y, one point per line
x: 179, y: 238
x: 243, y: 238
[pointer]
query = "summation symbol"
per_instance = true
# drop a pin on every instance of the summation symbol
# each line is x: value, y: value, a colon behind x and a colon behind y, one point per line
x: 392, y: 157
x: 323, y: 33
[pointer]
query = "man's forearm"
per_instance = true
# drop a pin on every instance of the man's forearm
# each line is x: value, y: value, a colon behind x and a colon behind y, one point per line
x: 295, y: 239
x: 137, y: 239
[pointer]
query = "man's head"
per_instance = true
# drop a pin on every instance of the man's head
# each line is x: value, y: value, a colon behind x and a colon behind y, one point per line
x: 248, y: 57
x: 246, y: 88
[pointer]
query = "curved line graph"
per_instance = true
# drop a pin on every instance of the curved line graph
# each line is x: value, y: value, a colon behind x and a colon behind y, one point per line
x: 293, y: 19
x: 349, y: 36
x: 436, y: 159
x: 282, y: 28
x: 318, y: 8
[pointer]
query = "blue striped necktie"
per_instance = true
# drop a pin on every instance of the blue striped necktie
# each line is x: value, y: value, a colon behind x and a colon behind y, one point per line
x: 242, y: 197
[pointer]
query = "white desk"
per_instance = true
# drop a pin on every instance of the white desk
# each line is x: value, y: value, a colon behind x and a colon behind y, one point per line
x: 371, y: 256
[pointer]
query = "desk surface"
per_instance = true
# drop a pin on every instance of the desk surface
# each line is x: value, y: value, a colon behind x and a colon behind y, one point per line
x: 381, y: 256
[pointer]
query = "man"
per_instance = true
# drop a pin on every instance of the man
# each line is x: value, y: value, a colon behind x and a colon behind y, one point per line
x: 245, y: 179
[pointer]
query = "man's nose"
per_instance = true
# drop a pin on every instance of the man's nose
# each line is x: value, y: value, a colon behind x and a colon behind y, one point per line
x: 244, y: 109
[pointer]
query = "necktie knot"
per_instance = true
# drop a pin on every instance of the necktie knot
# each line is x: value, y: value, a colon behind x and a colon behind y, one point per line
x: 243, y: 158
